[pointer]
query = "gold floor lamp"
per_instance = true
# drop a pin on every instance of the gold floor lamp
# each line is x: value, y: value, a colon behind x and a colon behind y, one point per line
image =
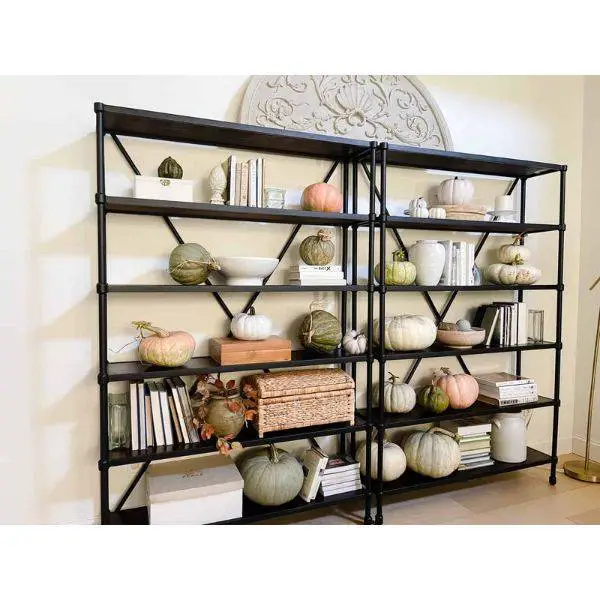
x: 584, y: 470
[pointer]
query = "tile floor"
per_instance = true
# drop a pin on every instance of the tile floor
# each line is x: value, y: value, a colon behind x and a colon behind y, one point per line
x: 521, y: 498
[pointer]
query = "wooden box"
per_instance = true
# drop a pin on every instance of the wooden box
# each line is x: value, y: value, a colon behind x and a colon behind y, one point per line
x: 229, y: 351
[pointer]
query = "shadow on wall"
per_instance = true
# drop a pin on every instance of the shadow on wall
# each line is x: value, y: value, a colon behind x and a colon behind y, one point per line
x: 62, y: 306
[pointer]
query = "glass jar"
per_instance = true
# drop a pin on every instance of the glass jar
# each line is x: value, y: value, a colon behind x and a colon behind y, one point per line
x: 274, y: 197
x: 118, y: 421
x: 535, y: 326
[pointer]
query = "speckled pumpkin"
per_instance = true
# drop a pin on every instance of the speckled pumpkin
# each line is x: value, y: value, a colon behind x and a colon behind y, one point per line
x: 317, y: 249
x: 164, y: 348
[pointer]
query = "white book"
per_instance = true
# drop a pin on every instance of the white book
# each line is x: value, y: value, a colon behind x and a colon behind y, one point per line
x: 340, y: 479
x: 522, y: 323
x: 480, y: 456
x: 316, y: 274
x: 178, y: 409
x: 159, y: 435
x: 313, y: 464
x: 149, y: 425
x: 133, y: 407
x: 341, y: 489
x: 142, y: 414
x: 259, y: 181
x: 231, y: 182
x: 471, y: 252
x: 466, y: 427
x: 238, y: 185
x: 477, y: 465
x: 502, y: 379
x: 244, y: 184
x: 464, y: 267
x: 252, y: 182
x: 456, y: 278
x: 510, y: 392
x: 187, y: 409
x: 315, y: 269
x: 314, y: 281
x: 165, y: 413
x: 514, y: 324
x: 446, y: 278
x: 508, y: 401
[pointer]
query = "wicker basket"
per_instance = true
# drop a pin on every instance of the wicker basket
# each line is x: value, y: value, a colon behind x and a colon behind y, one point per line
x: 464, y: 212
x: 293, y: 399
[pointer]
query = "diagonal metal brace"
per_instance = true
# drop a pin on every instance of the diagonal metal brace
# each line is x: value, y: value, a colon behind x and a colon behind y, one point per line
x: 132, y: 485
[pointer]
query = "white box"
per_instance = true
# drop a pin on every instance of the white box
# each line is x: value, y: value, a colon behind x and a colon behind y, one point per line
x: 162, y: 188
x: 194, y: 491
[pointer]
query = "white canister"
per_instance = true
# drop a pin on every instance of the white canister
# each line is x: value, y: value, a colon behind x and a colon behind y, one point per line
x: 509, y: 437
x: 429, y: 257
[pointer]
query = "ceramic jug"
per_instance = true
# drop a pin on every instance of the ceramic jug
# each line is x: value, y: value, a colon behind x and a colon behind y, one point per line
x: 509, y: 439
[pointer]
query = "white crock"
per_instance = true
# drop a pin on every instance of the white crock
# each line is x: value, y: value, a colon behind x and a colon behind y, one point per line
x: 429, y: 257
x: 509, y: 437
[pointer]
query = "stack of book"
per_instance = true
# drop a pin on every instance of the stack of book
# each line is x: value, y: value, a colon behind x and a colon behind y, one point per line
x: 473, y: 439
x: 460, y: 260
x: 160, y: 414
x: 504, y: 389
x: 341, y: 475
x: 316, y: 275
x: 328, y: 475
x: 245, y: 181
x: 505, y: 323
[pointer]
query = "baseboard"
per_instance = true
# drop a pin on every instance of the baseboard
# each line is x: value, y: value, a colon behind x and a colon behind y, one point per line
x: 579, y: 448
x: 565, y: 445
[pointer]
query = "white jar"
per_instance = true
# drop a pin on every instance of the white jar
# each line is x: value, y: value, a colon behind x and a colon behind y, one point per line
x: 509, y: 437
x: 429, y: 257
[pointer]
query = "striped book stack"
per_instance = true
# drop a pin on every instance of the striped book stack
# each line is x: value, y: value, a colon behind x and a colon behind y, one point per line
x: 504, y: 389
x: 316, y: 275
x: 473, y: 439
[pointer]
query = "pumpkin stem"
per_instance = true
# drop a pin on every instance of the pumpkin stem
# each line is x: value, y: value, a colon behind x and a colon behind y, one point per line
x: 273, y: 454
x: 446, y: 371
x: 147, y: 326
x: 324, y: 236
x: 440, y: 430
x: 518, y: 239
x: 251, y: 311
x: 393, y: 377
x: 398, y: 256
x: 518, y: 261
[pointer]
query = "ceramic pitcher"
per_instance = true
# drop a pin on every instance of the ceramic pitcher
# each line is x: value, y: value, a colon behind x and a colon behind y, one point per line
x: 429, y: 257
x: 509, y: 439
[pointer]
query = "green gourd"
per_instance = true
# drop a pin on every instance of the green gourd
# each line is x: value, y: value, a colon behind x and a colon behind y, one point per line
x: 191, y: 264
x: 317, y: 249
x: 271, y: 476
x: 170, y: 169
x: 397, y: 272
x: 320, y: 331
x: 433, y: 399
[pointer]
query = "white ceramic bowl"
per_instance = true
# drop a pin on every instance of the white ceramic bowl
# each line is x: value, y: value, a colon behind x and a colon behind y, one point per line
x: 246, y: 270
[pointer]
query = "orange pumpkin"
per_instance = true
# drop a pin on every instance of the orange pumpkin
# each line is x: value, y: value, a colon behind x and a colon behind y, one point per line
x: 322, y: 197
x: 462, y: 389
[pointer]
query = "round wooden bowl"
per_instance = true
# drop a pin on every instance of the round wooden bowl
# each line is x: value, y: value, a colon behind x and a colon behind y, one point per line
x: 461, y: 339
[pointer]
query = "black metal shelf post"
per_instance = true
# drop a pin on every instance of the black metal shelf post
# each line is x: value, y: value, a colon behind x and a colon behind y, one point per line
x: 352, y: 155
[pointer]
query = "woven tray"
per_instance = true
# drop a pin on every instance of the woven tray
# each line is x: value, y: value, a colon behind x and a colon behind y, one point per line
x: 464, y: 212
x: 295, y: 383
x: 308, y: 410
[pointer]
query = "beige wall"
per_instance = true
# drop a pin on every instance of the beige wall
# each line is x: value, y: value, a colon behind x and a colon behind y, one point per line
x: 589, y: 302
x: 50, y: 440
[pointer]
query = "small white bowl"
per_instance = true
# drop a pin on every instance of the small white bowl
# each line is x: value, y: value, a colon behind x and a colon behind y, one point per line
x: 246, y: 270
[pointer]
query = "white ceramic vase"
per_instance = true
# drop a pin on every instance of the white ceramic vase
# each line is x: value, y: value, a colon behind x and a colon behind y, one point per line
x: 509, y: 437
x: 429, y: 257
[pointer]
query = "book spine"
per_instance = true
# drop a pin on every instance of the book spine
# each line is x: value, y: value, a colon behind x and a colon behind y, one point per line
x: 244, y: 185
x: 522, y: 323
x: 252, y: 183
x: 471, y: 248
x: 316, y: 268
x: 446, y: 273
x: 509, y: 401
x: 133, y: 407
x: 259, y: 182
x: 463, y: 264
x: 142, y: 415
x: 509, y: 393
x: 237, y: 185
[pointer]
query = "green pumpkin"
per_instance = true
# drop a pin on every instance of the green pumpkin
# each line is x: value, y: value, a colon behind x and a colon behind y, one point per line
x: 191, y: 264
x: 399, y: 271
x: 320, y: 331
x: 317, y: 249
x: 433, y: 399
x: 271, y: 476
x: 170, y: 169
x: 222, y: 419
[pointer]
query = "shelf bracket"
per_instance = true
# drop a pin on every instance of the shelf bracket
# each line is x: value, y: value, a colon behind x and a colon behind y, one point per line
x: 132, y: 485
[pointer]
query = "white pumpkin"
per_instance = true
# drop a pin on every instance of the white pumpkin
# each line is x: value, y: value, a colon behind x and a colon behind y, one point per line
x: 354, y: 342
x: 407, y: 332
x: 398, y: 397
x: 437, y: 212
x: 250, y: 326
x: 514, y: 253
x: 418, y: 208
x: 512, y: 274
x: 455, y: 191
x: 432, y: 453
x: 394, y: 460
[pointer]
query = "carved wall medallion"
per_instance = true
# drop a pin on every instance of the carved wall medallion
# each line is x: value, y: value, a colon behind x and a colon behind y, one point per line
x: 393, y: 108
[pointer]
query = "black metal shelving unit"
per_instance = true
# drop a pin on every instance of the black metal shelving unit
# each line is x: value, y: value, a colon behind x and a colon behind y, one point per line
x: 352, y: 157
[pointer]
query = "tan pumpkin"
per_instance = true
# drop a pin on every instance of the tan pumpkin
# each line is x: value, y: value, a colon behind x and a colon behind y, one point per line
x: 164, y: 348
x: 512, y: 274
x: 461, y: 389
x: 322, y: 197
